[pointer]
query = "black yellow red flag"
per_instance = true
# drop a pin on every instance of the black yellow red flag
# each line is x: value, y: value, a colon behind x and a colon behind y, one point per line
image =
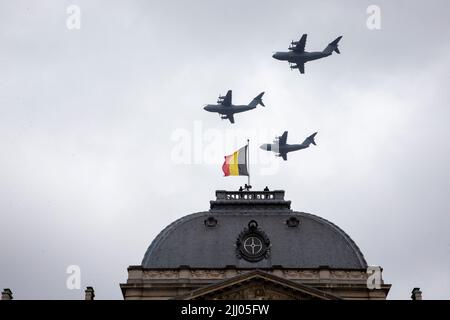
x: 236, y: 163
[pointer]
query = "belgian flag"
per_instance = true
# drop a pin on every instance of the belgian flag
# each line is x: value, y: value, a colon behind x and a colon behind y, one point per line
x: 236, y: 163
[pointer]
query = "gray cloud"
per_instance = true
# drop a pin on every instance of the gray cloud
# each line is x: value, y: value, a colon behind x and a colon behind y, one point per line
x: 86, y: 119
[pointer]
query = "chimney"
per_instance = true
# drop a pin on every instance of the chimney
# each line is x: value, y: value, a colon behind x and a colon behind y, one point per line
x: 89, y: 293
x: 7, y: 294
x: 416, y: 294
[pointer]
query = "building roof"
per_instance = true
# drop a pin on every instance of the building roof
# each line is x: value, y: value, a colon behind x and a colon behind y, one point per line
x: 214, y: 238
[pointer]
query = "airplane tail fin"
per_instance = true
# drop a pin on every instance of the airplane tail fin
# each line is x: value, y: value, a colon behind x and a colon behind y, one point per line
x: 333, y: 46
x: 257, y: 100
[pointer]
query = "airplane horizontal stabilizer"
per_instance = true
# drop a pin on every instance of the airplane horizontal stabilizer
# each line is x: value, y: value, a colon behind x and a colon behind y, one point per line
x: 311, y: 138
x: 257, y: 100
x: 333, y: 46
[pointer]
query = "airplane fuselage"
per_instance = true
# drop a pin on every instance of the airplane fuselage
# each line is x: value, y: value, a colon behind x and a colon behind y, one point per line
x: 299, y: 57
x: 275, y: 147
x: 281, y: 148
x: 227, y: 110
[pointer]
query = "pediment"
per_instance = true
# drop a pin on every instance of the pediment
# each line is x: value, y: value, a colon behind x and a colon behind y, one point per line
x: 257, y: 285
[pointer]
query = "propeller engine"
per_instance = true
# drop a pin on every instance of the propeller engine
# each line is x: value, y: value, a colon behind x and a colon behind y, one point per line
x: 293, y: 45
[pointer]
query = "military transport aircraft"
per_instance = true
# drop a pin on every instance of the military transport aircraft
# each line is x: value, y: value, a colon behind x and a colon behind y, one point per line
x: 227, y: 110
x: 297, y: 56
x: 282, y: 148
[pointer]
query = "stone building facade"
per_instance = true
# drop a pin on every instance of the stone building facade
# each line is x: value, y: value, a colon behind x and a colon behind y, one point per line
x: 252, y: 245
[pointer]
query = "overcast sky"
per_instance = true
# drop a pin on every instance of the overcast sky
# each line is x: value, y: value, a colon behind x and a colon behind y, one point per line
x: 92, y: 122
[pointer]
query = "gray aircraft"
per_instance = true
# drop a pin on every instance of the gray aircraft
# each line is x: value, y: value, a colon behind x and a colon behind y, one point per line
x: 280, y: 146
x: 297, y: 56
x: 227, y: 110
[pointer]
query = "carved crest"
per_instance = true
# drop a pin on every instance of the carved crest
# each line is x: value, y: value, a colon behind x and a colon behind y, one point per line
x: 252, y: 243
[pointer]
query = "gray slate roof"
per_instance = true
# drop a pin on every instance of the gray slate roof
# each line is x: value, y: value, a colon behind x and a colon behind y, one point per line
x: 315, y: 242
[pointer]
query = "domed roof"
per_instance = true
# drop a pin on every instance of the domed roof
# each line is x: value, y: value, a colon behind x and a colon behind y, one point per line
x: 253, y: 230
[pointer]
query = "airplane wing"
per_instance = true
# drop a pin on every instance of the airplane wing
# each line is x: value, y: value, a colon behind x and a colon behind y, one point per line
x: 227, y: 100
x: 301, y: 67
x: 283, y: 139
x: 284, y: 156
x: 300, y: 45
x: 231, y: 118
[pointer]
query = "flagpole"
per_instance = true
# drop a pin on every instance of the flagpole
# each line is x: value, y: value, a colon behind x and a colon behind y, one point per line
x: 248, y: 159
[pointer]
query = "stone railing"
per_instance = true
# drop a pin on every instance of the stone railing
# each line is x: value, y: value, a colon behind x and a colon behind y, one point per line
x: 250, y: 195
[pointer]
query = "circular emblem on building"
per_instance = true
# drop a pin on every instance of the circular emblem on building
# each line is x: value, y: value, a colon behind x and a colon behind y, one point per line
x: 252, y: 243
